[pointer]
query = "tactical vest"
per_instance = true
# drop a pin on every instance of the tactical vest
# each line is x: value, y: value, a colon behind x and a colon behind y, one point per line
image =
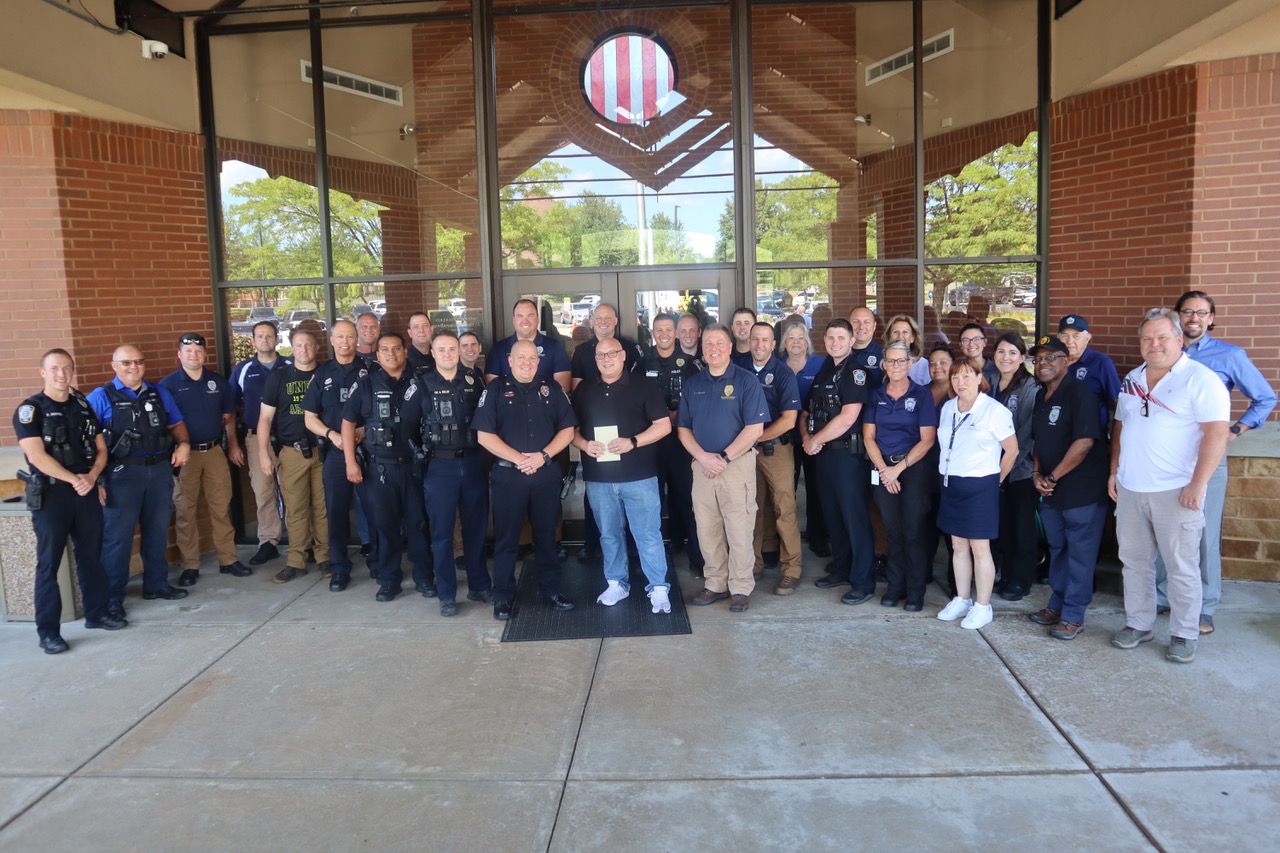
x: 670, y: 373
x: 382, y: 435
x: 139, y: 426
x: 824, y: 399
x: 68, y: 432
x: 446, y: 424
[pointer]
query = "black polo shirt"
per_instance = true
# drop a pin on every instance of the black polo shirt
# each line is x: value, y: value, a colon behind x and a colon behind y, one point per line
x: 836, y: 386
x: 418, y: 361
x: 202, y: 402
x: 1070, y: 414
x: 525, y: 416
x: 583, y: 363
x: 330, y: 388
x: 285, y: 389
x: 632, y: 404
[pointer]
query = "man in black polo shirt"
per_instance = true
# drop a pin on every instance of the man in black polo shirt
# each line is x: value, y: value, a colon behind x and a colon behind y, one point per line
x: 1070, y: 465
x: 620, y: 417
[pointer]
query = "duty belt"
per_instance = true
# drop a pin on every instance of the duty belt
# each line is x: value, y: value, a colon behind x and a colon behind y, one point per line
x: 203, y: 446
x: 146, y: 460
x: 451, y: 452
x: 782, y: 439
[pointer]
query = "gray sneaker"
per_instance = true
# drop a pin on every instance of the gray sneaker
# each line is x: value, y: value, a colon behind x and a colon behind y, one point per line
x: 1181, y: 650
x: 1130, y: 638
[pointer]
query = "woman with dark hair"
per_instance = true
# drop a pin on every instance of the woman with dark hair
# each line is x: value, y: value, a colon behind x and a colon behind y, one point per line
x: 978, y: 450
x: 1016, y: 390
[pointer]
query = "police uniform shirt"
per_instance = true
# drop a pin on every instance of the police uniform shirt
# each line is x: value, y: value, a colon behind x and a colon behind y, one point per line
x: 202, y: 402
x: 331, y: 387
x: 406, y: 414
x: 781, y: 391
x: 247, y: 381
x: 525, y: 416
x: 741, y: 359
x: 101, y: 405
x: 285, y: 390
x: 844, y: 383
x: 29, y: 422
x: 870, y: 359
x: 419, y: 361
x: 898, y: 422
x: 631, y: 404
x: 1070, y: 415
x: 553, y: 358
x: 1098, y: 372
x: 670, y: 373
x: 583, y: 363
x: 447, y: 402
x: 717, y: 408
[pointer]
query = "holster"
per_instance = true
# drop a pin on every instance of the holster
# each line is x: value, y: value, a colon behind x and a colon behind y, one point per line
x: 34, y: 492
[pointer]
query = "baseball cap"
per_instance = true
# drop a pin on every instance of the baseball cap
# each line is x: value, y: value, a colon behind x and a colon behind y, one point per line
x: 1073, y: 321
x: 1049, y: 344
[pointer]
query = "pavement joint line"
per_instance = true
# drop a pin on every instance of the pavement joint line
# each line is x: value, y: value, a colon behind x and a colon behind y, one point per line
x: 577, y: 736
x: 148, y: 714
x: 1066, y: 736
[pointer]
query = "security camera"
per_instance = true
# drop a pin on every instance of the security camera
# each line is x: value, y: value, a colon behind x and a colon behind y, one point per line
x: 152, y: 49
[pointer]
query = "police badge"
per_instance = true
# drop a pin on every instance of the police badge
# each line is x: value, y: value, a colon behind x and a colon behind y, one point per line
x: 411, y: 390
x: 1013, y: 403
x: 213, y: 386
x: 471, y: 380
x: 1054, y: 413
x: 859, y: 377
x: 1081, y: 373
x: 871, y: 361
x: 768, y: 379
x: 679, y: 362
x: 545, y: 391
x: 910, y: 404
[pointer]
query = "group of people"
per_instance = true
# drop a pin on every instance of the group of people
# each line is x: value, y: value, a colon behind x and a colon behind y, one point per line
x: 716, y: 422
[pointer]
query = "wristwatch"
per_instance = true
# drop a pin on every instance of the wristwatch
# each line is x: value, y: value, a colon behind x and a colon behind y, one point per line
x: 1051, y: 478
x: 635, y: 445
x: 1235, y: 429
x: 545, y: 457
x: 725, y: 457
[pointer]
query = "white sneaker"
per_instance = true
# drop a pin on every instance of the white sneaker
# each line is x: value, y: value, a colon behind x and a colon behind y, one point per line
x: 659, y: 601
x: 980, y: 615
x: 955, y: 608
x: 613, y: 594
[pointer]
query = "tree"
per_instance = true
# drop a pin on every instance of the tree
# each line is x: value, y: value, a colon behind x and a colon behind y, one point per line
x: 670, y: 243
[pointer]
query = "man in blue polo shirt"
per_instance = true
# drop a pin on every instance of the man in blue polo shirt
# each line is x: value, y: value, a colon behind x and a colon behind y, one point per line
x: 866, y: 353
x: 553, y: 363
x: 247, y: 381
x: 1196, y: 310
x: 204, y: 398
x: 722, y: 415
x: 145, y: 435
x: 1085, y: 364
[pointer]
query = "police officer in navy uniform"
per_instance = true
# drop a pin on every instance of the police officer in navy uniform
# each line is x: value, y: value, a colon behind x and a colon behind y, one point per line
x: 866, y: 353
x: 383, y: 406
x: 145, y: 435
x: 456, y: 486
x: 831, y: 429
x: 524, y: 421
x: 668, y: 365
x: 418, y: 349
x: 64, y: 446
x: 327, y: 395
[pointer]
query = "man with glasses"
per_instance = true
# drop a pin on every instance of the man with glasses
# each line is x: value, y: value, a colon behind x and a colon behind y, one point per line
x: 247, y: 380
x: 1095, y: 369
x: 1232, y: 365
x: 145, y: 436
x: 208, y: 410
x: 1169, y: 436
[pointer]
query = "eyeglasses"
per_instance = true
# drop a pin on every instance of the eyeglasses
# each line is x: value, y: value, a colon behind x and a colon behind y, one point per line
x: 131, y: 362
x: 1048, y: 359
x: 973, y: 339
x: 895, y: 362
x: 1191, y: 312
x: 613, y: 353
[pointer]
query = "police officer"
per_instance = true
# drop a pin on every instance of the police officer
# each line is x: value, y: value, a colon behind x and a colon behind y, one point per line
x: 831, y: 430
x: 331, y: 386
x: 553, y: 363
x: 1090, y: 366
x: 456, y: 487
x: 867, y: 352
x: 670, y: 366
x: 368, y: 326
x: 383, y: 405
x: 524, y: 421
x: 145, y: 435
x: 247, y: 380
x: 64, y: 447
x: 419, y: 349
x: 208, y: 409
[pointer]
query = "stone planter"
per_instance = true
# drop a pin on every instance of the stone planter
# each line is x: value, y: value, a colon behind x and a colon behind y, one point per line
x: 18, y: 568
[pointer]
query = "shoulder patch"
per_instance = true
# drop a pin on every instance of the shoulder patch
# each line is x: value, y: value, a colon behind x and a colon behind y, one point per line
x: 26, y: 414
x: 411, y: 390
x: 483, y: 394
x: 859, y: 377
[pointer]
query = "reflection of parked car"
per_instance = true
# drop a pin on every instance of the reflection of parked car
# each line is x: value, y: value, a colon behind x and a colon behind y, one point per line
x: 1025, y: 297
x: 379, y: 306
x: 576, y: 314
x: 256, y: 315
x: 298, y: 315
x: 361, y: 308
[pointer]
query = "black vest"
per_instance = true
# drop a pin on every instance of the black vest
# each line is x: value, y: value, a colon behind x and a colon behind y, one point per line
x: 670, y: 373
x: 68, y: 431
x: 824, y: 398
x: 449, y: 407
x: 383, y: 435
x: 142, y: 420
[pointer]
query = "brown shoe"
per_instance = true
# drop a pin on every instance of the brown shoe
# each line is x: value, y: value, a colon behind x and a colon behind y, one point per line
x: 786, y: 586
x: 1066, y: 631
x: 739, y: 604
x: 1045, y: 617
x: 706, y: 597
x: 287, y: 574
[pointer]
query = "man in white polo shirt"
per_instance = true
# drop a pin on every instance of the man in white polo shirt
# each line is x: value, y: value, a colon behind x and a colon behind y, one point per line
x: 1170, y: 433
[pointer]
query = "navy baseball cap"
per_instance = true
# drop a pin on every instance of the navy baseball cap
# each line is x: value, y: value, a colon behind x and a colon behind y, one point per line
x: 1073, y: 321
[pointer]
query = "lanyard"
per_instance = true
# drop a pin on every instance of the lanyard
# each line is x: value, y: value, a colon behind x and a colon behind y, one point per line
x: 955, y: 427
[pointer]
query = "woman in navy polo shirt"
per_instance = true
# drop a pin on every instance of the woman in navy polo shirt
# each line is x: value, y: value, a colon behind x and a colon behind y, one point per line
x: 1019, y: 544
x: 900, y: 427
x: 796, y: 347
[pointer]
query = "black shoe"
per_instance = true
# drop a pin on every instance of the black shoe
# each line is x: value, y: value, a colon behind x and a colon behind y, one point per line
x: 502, y: 611
x: 168, y: 593
x: 561, y: 553
x: 890, y: 600
x: 428, y: 590
x: 448, y: 608
x: 106, y: 623
x: 266, y: 553
x: 559, y: 602
x: 1012, y: 594
x: 696, y: 571
x: 115, y: 611
x: 188, y: 577
x: 913, y: 607
x: 484, y: 595
x: 53, y: 645
x: 387, y: 592
x: 338, y: 582
x: 365, y: 549
x: 854, y: 597
x: 237, y: 569
x: 831, y: 582
x: 770, y: 559
x: 310, y: 556
x: 822, y: 549
x: 588, y: 553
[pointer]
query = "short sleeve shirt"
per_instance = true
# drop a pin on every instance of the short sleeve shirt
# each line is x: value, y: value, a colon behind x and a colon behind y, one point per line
x: 285, y: 390
x: 781, y: 391
x: 247, y: 381
x: 553, y: 358
x: 202, y: 402
x: 331, y: 387
x: 842, y: 383
x: 898, y: 422
x: 101, y: 403
x: 28, y: 421
x: 1058, y: 422
x: 717, y: 408
x: 871, y: 359
x: 524, y: 415
x: 1098, y: 372
x: 583, y: 364
x: 970, y: 441
x: 631, y: 404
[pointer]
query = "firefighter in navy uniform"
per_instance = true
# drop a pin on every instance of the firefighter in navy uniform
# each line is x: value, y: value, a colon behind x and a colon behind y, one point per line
x: 524, y: 421
x: 456, y: 486
x: 669, y: 366
x: 384, y: 405
x: 322, y: 410
x: 64, y: 446
x: 830, y: 428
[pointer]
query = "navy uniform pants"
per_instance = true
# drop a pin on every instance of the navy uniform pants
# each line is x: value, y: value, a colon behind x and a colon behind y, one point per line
x: 137, y: 493
x: 516, y: 497
x: 675, y: 477
x: 844, y: 479
x: 456, y: 489
x: 906, y: 522
x: 393, y: 496
x: 339, y: 492
x: 64, y: 515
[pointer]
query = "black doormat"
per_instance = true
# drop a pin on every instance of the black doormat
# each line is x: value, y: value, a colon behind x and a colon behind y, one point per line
x: 533, y: 618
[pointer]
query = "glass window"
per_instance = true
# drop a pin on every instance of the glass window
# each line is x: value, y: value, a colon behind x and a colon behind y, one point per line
x: 455, y: 304
x: 834, y: 167
x: 287, y: 308
x: 1001, y: 297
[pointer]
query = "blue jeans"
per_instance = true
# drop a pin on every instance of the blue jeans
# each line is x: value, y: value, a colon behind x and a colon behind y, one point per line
x: 1074, y: 537
x: 639, y: 502
x: 137, y: 493
x: 1215, y: 498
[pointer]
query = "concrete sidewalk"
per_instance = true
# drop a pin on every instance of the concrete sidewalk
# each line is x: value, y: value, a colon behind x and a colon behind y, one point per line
x: 252, y: 716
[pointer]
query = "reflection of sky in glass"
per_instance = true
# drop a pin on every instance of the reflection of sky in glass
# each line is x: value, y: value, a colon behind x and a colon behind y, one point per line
x: 233, y: 173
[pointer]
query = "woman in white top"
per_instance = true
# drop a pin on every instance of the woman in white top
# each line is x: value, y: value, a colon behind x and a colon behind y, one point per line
x: 979, y: 448
x: 903, y: 328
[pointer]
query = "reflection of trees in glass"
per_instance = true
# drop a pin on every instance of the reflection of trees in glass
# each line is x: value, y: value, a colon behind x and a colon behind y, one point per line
x: 793, y: 223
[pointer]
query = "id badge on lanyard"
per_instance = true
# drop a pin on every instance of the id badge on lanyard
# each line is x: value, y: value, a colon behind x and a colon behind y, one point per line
x: 955, y: 427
